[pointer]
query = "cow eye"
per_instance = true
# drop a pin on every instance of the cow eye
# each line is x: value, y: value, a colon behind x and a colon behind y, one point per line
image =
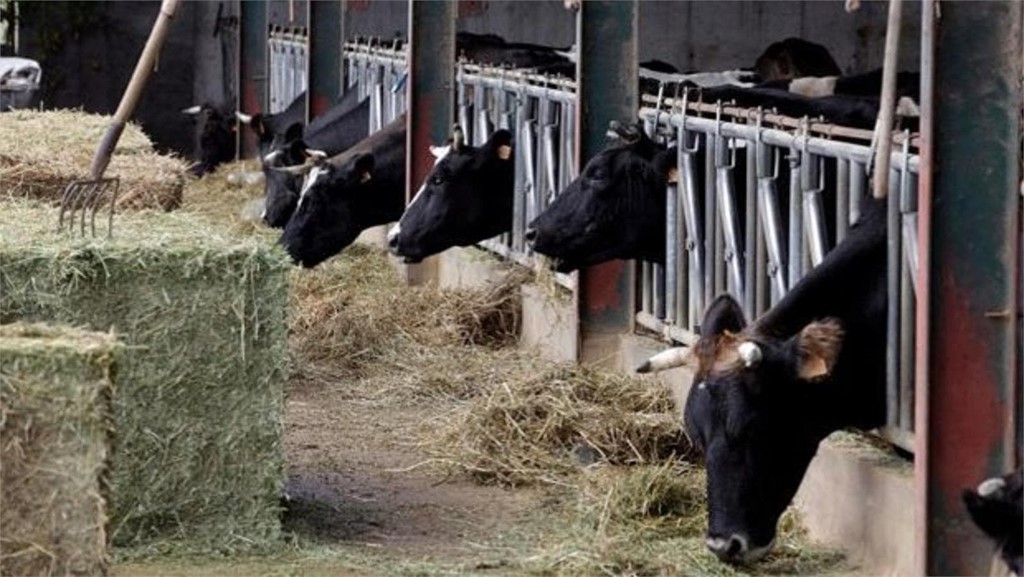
x: 436, y: 180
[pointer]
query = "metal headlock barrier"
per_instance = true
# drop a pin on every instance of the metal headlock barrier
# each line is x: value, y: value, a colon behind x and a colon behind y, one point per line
x: 760, y: 201
x: 289, y: 57
x: 377, y: 70
x: 540, y: 111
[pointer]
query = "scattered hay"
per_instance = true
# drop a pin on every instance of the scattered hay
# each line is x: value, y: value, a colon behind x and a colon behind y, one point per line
x: 226, y: 204
x: 541, y: 427
x: 199, y: 402
x: 55, y: 414
x: 41, y: 152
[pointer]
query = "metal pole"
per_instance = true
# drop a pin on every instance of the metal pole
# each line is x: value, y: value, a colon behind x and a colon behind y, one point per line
x: 253, y: 63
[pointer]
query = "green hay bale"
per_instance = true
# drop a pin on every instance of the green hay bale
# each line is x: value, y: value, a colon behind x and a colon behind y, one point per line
x: 199, y: 405
x: 55, y: 416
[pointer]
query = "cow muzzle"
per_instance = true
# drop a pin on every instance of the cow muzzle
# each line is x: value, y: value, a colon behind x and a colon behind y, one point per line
x: 736, y: 548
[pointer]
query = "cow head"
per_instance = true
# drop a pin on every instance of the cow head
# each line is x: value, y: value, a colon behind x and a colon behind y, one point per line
x: 614, y: 209
x: 329, y: 213
x: 281, y: 183
x: 997, y: 507
x: 747, y: 411
x: 214, y: 137
x: 466, y: 198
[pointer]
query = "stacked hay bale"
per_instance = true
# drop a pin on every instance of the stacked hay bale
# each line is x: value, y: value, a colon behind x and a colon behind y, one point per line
x: 41, y: 152
x: 199, y: 407
x: 55, y: 416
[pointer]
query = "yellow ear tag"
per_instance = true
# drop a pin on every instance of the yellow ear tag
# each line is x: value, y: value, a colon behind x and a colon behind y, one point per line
x: 366, y: 177
x: 673, y: 175
x: 504, y: 152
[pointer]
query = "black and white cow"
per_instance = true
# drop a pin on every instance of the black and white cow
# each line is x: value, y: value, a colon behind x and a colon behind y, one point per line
x: 794, y: 58
x: 997, y: 508
x: 466, y: 198
x: 346, y: 194
x: 215, y: 132
x: 339, y: 128
x: 765, y: 394
x: 614, y: 209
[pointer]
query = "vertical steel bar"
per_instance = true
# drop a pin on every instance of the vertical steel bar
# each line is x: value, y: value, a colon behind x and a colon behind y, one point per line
x: 796, y: 224
x: 671, y: 252
x: 687, y: 165
x: 521, y: 216
x: 858, y: 188
x: 646, y: 287
x: 749, y: 256
x: 842, y: 199
x: 711, y: 229
x: 892, y: 327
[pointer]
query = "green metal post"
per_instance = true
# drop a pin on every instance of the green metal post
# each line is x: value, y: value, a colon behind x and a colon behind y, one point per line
x: 253, y: 63
x: 606, y: 33
x: 972, y: 309
x: 324, y: 55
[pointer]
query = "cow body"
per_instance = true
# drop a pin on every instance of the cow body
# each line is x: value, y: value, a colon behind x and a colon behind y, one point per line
x: 997, y: 508
x: 765, y: 395
x: 360, y: 188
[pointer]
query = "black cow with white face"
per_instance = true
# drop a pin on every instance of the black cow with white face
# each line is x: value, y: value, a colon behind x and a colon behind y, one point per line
x: 614, y: 209
x: 997, y: 508
x: 466, y: 198
x: 215, y: 132
x: 765, y: 394
x: 346, y: 194
x: 333, y: 132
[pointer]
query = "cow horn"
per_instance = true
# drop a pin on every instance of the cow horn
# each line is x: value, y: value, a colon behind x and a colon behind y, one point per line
x: 990, y: 487
x: 243, y: 117
x: 299, y: 169
x: 192, y: 109
x: 458, y: 137
x: 750, y: 353
x: 316, y: 154
x: 674, y: 357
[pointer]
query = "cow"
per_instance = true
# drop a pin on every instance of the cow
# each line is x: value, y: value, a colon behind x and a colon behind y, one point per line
x: 766, y: 394
x: 997, y: 508
x: 614, y: 209
x: 794, y: 58
x: 215, y: 132
x: 333, y: 132
x: 466, y: 198
x: 346, y: 194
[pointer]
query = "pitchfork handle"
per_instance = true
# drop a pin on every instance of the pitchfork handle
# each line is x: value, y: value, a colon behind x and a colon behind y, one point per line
x: 145, y: 65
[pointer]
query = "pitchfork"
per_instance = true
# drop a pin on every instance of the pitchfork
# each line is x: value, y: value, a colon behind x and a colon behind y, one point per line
x: 90, y: 194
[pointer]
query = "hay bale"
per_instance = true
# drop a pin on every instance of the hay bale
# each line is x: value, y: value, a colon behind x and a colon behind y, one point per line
x: 199, y: 406
x: 541, y: 427
x: 55, y: 415
x: 41, y: 152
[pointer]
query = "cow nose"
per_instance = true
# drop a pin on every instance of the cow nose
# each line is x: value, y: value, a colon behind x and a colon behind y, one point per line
x: 531, y: 234
x: 393, y: 242
x: 732, y: 548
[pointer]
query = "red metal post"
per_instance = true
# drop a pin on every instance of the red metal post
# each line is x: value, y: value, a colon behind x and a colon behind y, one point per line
x: 325, y: 37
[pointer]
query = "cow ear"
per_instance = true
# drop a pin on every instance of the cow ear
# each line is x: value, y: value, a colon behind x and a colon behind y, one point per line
x: 666, y: 165
x: 724, y: 314
x: 500, y: 144
x: 364, y: 167
x: 817, y: 347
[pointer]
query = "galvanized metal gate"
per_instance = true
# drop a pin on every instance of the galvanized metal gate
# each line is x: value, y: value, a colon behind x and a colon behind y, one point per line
x: 377, y: 70
x: 540, y: 111
x: 760, y: 201
x: 288, y: 50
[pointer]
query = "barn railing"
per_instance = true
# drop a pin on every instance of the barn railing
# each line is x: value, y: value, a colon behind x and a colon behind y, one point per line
x: 377, y: 70
x: 288, y: 57
x: 540, y: 111
x: 760, y: 200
